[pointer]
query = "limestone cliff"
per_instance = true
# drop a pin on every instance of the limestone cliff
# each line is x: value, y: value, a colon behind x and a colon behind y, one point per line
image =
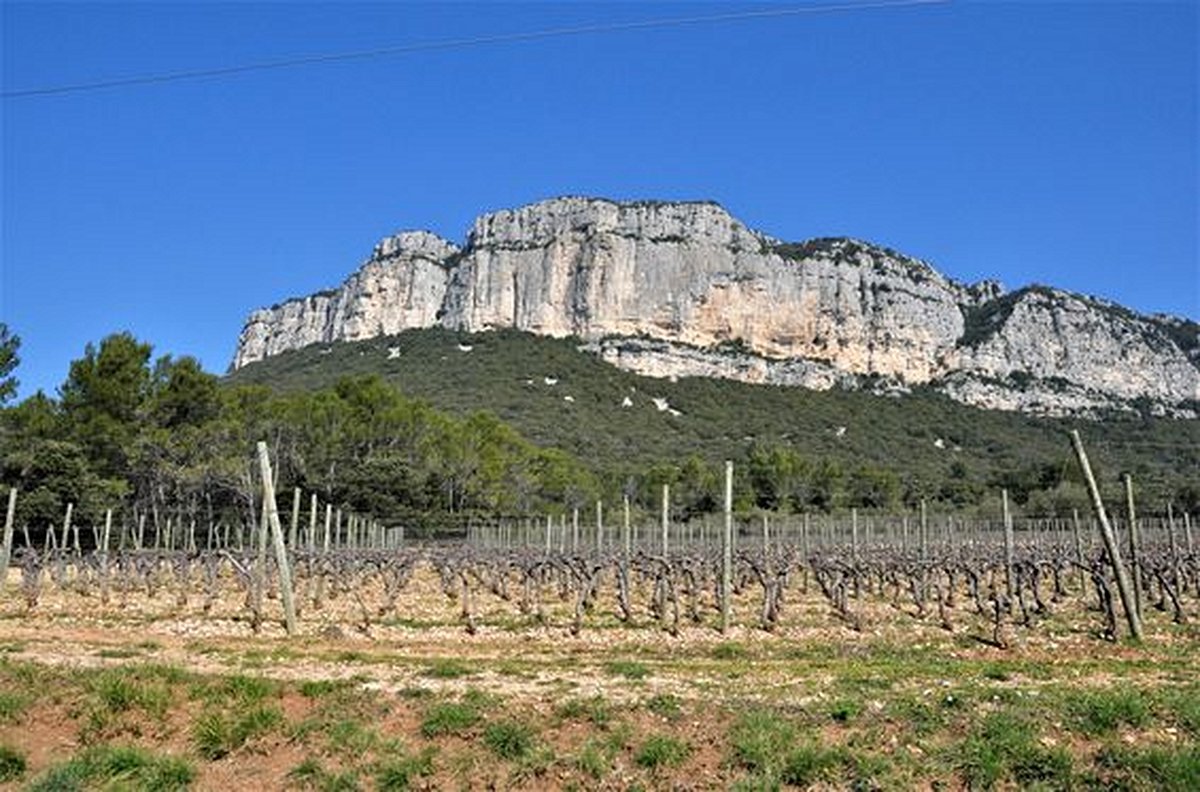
x: 684, y: 289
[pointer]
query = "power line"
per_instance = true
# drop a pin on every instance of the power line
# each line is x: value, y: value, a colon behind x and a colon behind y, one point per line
x: 451, y: 44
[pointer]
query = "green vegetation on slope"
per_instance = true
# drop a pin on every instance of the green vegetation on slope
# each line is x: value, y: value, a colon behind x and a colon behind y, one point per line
x: 788, y: 437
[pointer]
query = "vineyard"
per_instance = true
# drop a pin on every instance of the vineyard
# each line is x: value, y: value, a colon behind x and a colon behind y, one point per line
x: 605, y: 648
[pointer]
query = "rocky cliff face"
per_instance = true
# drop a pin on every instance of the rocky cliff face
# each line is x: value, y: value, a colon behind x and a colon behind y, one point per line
x: 684, y: 289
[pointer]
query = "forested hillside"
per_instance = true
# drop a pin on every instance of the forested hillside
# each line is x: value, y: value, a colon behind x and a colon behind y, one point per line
x: 801, y: 449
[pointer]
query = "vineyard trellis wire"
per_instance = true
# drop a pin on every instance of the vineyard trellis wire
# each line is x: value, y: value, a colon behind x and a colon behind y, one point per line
x: 995, y: 575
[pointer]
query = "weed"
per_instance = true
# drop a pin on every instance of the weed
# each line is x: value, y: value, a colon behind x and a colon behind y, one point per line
x: 664, y: 705
x: 397, y: 772
x: 629, y: 669
x: 595, y: 709
x: 316, y: 688
x: 308, y: 773
x: 1184, y: 706
x: 215, y: 735
x: 12, y: 704
x: 120, y: 690
x: 509, y: 739
x: 661, y: 750
x: 806, y: 764
x: 845, y: 710
x: 592, y: 760
x: 729, y: 650
x: 446, y: 669
x: 1167, y: 769
x: 449, y: 718
x: 12, y: 763
x: 351, y: 737
x: 414, y: 692
x: 1100, y: 712
x: 1003, y: 746
x: 249, y: 690
x: 117, y: 767
x: 760, y: 739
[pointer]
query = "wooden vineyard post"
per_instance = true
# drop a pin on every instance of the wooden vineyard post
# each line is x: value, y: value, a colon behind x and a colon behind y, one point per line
x: 549, y: 529
x: 854, y: 535
x: 666, y: 516
x: 599, y: 526
x: 295, y: 524
x: 312, y: 523
x: 766, y: 535
x: 626, y: 535
x: 1078, y: 548
x: 924, y: 533
x: 66, y: 530
x: 1009, y: 550
x: 1187, y: 532
x: 727, y: 551
x: 1110, y: 540
x: 1173, y: 545
x: 6, y: 551
x: 575, y: 530
x: 104, y: 556
x: 281, y: 558
x: 1134, y: 544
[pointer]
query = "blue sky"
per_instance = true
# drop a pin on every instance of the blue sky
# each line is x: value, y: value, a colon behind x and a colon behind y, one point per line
x: 1030, y: 142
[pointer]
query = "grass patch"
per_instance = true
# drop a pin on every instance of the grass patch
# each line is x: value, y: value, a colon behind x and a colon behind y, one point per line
x: 630, y: 669
x: 399, y: 771
x: 12, y: 763
x: 1101, y: 712
x: 1157, y: 768
x: 595, y: 709
x: 12, y: 705
x: 318, y: 688
x: 1184, y: 707
x: 729, y: 650
x: 759, y: 740
x: 845, y: 710
x: 664, y: 705
x: 216, y: 735
x: 351, y: 737
x: 661, y: 750
x: 446, y: 669
x: 1003, y: 748
x: 117, y: 767
x: 593, y: 760
x: 807, y: 764
x: 450, y: 718
x: 509, y: 739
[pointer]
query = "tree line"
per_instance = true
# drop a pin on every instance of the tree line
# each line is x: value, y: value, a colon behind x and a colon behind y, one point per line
x: 157, y: 437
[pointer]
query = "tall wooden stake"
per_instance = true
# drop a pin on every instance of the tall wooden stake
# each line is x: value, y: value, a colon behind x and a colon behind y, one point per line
x: 281, y: 557
x: 727, y: 551
x: 104, y: 556
x: 6, y: 550
x: 1134, y: 544
x: 1124, y: 588
x: 295, y: 524
x: 1009, y: 550
x: 666, y: 516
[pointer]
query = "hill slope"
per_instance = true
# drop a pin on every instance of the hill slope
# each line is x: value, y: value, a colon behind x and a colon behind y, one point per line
x: 560, y: 396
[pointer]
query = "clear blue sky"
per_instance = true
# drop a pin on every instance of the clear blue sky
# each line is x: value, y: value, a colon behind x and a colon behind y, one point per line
x: 1054, y: 143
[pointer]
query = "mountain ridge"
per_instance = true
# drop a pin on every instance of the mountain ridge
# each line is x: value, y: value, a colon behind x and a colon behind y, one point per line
x: 688, y: 275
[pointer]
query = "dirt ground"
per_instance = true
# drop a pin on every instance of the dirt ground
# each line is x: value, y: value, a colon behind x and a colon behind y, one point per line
x: 420, y: 652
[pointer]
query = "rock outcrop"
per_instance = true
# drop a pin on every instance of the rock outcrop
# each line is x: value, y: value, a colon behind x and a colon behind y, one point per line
x: 684, y: 289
